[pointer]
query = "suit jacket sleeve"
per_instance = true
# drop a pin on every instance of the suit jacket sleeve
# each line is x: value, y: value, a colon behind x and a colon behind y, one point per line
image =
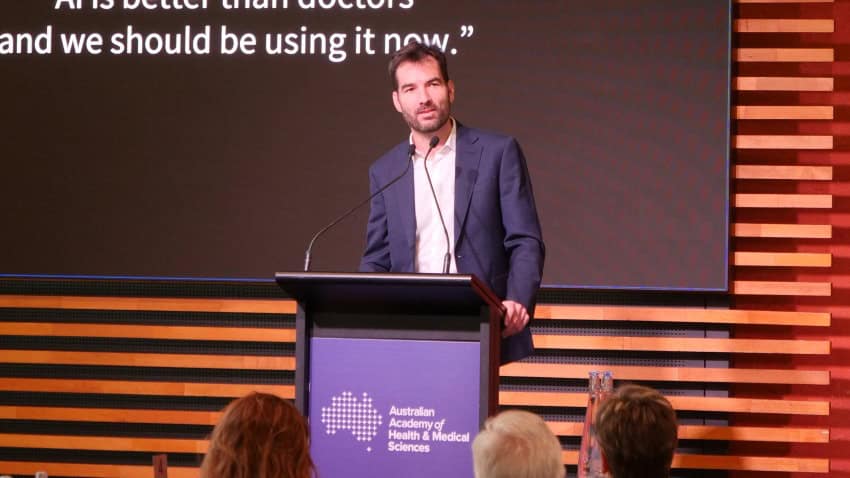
x: 523, y: 240
x: 376, y: 255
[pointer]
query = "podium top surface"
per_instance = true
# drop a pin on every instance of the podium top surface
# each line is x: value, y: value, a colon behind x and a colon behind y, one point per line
x: 387, y: 289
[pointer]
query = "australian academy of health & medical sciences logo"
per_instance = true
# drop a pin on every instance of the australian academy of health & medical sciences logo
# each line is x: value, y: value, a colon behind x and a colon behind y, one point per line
x: 409, y: 430
x: 347, y: 412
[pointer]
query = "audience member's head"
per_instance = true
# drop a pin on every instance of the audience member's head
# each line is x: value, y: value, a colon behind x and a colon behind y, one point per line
x: 259, y: 436
x: 517, y: 444
x: 636, y: 429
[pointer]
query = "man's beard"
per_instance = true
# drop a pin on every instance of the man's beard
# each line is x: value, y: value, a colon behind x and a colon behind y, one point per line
x: 420, y: 127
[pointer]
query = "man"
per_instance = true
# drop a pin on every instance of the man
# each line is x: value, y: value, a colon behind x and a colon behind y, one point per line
x: 484, y: 193
x: 637, y: 432
x: 516, y: 443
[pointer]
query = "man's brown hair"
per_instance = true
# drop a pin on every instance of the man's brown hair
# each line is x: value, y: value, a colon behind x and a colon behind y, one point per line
x: 636, y: 429
x: 416, y: 52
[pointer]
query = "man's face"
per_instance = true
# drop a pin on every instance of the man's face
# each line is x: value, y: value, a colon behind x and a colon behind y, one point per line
x: 423, y: 97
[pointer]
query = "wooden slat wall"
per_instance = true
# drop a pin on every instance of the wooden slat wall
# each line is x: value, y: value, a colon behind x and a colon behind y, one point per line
x: 763, y: 189
x: 670, y: 376
x: 194, y: 355
x: 508, y: 398
x: 790, y: 95
x: 551, y: 314
x: 756, y: 81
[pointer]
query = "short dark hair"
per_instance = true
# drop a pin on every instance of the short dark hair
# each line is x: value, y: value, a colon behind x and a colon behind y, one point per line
x: 416, y: 52
x: 636, y: 429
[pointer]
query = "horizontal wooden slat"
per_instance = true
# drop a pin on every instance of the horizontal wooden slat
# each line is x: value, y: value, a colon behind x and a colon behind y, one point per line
x: 71, y: 442
x: 238, y: 362
x: 747, y: 405
x: 784, y: 54
x: 84, y: 470
x: 680, y: 314
x: 734, y: 463
x: 784, y: 112
x: 782, y: 259
x: 784, y: 83
x: 165, y: 332
x: 686, y: 432
x: 147, y: 303
x: 791, y: 141
x: 104, y: 443
x: 811, y: 201
x: 812, y: 289
x: 191, y: 417
x: 767, y: 434
x: 751, y: 463
x: 668, y: 374
x: 733, y: 433
x: 681, y: 344
x: 811, y: 465
x: 141, y: 388
x: 703, y: 404
x: 802, y: 173
x: 110, y: 415
x: 785, y: 231
x: 784, y: 25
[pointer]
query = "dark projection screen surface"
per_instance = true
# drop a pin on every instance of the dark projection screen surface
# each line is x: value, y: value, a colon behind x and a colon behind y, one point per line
x: 165, y: 142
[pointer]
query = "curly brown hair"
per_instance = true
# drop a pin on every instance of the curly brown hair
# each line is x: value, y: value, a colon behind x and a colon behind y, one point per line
x: 259, y: 436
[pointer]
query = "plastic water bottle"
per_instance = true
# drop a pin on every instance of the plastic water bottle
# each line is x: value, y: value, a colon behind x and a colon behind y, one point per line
x: 590, y: 454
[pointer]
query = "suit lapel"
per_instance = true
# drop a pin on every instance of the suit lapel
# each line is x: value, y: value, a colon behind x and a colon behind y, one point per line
x: 404, y: 197
x: 467, y: 160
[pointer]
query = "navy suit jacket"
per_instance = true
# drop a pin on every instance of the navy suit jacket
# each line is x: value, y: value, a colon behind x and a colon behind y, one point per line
x: 497, y: 231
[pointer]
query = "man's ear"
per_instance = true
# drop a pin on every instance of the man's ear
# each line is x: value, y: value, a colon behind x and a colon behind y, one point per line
x: 451, y: 85
x: 396, y: 103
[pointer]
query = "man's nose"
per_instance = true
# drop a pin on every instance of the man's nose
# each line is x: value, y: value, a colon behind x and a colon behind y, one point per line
x: 424, y: 97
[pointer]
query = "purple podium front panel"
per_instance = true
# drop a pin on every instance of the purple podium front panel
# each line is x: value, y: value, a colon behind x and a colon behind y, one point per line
x: 384, y: 408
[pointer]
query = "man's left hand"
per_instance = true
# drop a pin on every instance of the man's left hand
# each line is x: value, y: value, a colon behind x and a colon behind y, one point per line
x: 516, y: 318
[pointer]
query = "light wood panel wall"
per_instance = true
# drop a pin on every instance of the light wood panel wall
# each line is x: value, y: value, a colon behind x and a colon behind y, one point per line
x: 753, y: 270
x: 781, y: 242
x: 551, y: 314
x: 671, y: 376
x: 112, y: 377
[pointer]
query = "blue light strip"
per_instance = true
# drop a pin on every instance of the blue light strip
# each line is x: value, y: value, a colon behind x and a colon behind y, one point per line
x: 124, y: 277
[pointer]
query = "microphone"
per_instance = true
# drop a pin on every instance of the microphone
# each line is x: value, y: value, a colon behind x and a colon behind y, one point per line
x: 447, y: 259
x: 411, y: 150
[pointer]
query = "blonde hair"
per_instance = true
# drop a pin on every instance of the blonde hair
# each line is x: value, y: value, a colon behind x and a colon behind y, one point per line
x: 636, y: 429
x: 517, y: 444
x: 259, y: 436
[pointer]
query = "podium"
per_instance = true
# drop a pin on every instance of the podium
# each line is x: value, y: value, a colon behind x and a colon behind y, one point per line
x: 396, y: 373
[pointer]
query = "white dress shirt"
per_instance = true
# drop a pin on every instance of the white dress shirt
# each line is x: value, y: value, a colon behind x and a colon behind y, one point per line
x: 430, y: 237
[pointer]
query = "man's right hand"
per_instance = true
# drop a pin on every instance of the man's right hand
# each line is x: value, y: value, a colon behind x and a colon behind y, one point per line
x: 516, y: 318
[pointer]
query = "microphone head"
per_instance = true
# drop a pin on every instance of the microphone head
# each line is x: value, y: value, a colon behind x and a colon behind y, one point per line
x: 434, y: 141
x: 411, y: 149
